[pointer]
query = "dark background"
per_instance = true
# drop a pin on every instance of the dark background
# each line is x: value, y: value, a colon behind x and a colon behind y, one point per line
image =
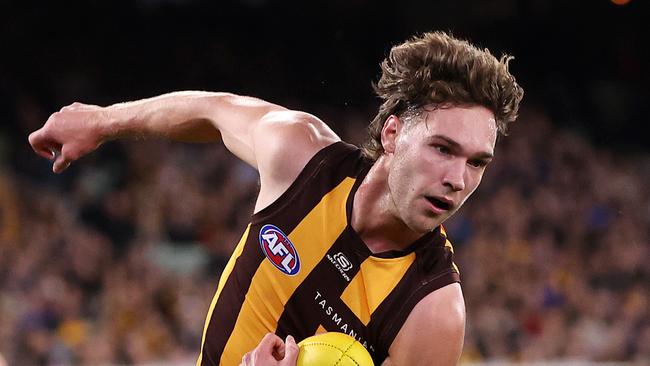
x: 584, y: 62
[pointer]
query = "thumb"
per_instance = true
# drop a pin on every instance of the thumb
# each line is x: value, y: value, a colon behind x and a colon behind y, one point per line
x: 60, y: 164
x: 43, y: 145
x: 63, y: 159
x: 291, y: 351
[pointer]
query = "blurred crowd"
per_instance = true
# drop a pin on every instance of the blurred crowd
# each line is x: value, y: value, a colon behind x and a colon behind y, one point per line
x: 116, y: 260
x: 554, y: 251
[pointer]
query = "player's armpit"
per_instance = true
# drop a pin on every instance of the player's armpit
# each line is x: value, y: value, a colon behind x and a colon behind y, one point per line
x: 433, y: 333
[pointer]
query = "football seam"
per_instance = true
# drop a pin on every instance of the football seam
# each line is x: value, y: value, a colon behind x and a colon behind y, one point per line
x: 344, y: 352
x: 348, y: 356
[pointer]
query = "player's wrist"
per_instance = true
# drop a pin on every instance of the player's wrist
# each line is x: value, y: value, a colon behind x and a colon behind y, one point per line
x: 117, y: 121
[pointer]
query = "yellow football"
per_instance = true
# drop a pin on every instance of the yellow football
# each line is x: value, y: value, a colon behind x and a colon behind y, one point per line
x: 332, y: 348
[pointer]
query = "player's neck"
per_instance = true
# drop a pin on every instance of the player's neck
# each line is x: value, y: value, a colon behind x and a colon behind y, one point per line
x: 373, y: 218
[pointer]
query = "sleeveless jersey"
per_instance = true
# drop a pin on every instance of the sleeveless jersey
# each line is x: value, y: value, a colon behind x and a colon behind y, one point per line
x: 301, y: 269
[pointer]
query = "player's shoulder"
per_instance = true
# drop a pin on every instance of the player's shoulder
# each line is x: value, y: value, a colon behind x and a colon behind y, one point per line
x: 445, y: 306
x: 439, y: 316
x: 285, y: 141
x: 287, y: 133
x: 293, y: 121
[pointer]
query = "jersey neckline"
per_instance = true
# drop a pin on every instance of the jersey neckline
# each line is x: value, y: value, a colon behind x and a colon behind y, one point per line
x: 361, y: 246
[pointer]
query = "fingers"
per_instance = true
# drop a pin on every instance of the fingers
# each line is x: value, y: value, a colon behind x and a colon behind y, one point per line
x: 291, y: 351
x: 278, y: 352
x: 246, y: 360
x: 60, y: 164
x: 63, y: 160
x: 51, y: 150
x: 42, y: 146
x: 269, y: 343
x: 272, y: 351
x: 66, y: 136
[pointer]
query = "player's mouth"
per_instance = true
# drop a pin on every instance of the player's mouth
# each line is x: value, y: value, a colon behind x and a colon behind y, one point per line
x: 440, y: 204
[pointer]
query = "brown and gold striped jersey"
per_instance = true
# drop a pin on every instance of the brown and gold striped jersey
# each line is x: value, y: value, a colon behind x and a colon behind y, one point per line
x: 301, y: 269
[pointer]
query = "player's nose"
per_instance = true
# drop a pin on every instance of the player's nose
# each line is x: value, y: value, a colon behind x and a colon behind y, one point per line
x: 454, y: 177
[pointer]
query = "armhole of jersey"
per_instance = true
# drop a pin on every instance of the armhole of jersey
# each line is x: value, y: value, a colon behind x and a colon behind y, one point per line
x: 429, y: 280
x: 307, y: 174
x: 446, y: 278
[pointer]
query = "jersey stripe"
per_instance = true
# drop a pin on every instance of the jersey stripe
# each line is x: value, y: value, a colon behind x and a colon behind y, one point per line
x: 376, y: 279
x: 450, y: 246
x: 387, y: 320
x: 237, y: 283
x: 451, y: 249
x: 322, y: 284
x: 229, y: 301
x: 226, y: 272
x: 266, y: 297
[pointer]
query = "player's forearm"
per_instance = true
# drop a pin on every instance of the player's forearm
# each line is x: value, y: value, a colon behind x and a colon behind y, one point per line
x: 184, y: 116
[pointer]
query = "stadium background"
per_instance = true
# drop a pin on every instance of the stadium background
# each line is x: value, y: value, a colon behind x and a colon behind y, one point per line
x: 115, y: 261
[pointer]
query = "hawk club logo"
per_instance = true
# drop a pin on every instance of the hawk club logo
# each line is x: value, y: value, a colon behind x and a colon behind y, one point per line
x: 279, y: 250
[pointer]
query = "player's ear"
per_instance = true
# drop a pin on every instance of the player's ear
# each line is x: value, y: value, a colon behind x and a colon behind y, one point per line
x: 389, y: 133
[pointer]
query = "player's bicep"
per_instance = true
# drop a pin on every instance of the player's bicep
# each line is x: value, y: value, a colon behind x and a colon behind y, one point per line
x: 433, y: 333
x: 237, y: 119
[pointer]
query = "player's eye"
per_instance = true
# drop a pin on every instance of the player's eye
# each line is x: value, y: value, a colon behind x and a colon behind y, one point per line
x: 442, y: 149
x: 478, y: 163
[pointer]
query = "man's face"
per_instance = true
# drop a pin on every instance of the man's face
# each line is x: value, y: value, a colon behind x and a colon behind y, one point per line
x: 436, y: 161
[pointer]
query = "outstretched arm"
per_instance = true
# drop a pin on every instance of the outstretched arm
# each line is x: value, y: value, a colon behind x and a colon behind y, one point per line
x: 276, y: 141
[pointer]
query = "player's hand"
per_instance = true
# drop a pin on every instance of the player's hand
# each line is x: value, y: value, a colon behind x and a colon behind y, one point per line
x: 69, y: 134
x: 272, y: 351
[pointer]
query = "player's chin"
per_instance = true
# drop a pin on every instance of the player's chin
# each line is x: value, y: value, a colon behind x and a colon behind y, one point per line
x: 427, y: 223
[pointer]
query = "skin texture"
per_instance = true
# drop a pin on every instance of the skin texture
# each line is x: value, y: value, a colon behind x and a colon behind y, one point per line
x: 439, y: 158
x: 254, y: 130
x: 272, y: 351
x: 419, y: 343
x: 442, y: 155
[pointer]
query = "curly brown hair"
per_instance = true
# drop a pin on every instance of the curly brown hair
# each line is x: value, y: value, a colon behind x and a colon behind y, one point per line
x: 440, y: 70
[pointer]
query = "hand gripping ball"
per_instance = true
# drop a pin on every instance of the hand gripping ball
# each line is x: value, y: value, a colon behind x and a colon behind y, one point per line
x: 332, y: 348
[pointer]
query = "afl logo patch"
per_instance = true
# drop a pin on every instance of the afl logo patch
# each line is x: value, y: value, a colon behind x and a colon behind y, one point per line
x: 279, y: 250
